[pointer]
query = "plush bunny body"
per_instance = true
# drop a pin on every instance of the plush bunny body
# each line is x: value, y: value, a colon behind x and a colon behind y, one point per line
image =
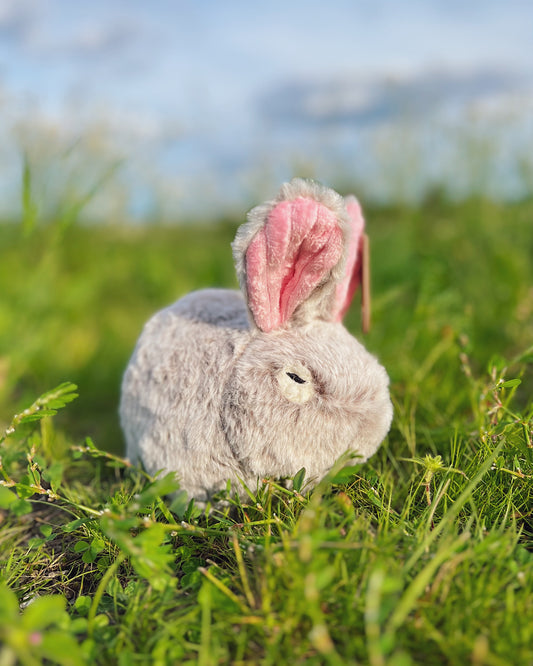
x: 225, y: 385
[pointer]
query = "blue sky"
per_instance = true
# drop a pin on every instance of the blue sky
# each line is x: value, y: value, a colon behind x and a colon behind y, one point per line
x: 210, y: 102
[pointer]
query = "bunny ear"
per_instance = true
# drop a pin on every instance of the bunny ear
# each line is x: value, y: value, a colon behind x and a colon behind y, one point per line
x: 290, y: 255
x: 352, y: 276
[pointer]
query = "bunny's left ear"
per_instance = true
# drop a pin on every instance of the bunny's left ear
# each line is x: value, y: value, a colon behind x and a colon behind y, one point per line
x: 355, y: 258
x: 291, y: 254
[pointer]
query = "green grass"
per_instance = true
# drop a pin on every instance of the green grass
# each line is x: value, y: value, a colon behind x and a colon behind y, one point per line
x: 424, y: 555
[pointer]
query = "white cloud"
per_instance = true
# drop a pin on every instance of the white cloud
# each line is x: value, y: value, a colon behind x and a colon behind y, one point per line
x: 88, y: 40
x: 360, y: 100
x: 18, y: 20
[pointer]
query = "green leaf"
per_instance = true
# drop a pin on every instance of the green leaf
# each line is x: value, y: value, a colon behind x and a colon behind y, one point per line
x: 83, y: 604
x: 191, y: 580
x: 28, y: 418
x: 159, y: 488
x: 183, y: 553
x: 192, y: 564
x: 511, y: 383
x: 21, y: 507
x: 58, y: 403
x: 74, y: 524
x: 343, y: 475
x: 7, y: 497
x: 298, y: 480
x: 46, y: 530
x: 101, y: 621
x: 65, y: 392
x: 79, y: 625
x: 179, y: 504
x: 90, y: 444
x: 104, y: 563
x: 61, y: 648
x: 150, y: 558
x: 97, y: 545
x: 192, y: 511
x: 88, y: 556
x: 81, y: 546
x: 9, y: 605
x: 36, y: 542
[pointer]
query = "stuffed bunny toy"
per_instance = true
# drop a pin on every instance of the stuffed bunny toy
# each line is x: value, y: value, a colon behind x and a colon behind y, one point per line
x: 239, y: 386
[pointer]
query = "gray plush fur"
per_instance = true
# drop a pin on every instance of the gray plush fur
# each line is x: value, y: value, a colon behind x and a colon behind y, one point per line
x: 209, y: 396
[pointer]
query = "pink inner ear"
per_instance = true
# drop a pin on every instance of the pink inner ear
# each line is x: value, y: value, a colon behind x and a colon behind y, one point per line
x: 288, y: 258
x: 346, y: 289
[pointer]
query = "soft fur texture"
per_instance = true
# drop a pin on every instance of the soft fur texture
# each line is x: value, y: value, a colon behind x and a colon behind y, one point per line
x: 224, y: 387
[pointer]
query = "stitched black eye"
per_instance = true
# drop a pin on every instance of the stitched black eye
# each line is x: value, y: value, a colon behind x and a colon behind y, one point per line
x: 295, y: 378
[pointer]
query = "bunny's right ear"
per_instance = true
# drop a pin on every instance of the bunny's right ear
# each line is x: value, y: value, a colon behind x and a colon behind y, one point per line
x: 290, y: 256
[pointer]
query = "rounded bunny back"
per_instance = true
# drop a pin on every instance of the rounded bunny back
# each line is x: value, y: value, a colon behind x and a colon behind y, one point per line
x: 297, y: 257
